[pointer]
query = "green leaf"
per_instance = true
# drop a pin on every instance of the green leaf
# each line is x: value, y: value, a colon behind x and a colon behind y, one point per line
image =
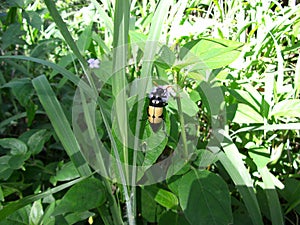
x: 208, y: 53
x: 37, y: 140
x: 67, y: 172
x: 162, y: 197
x: 18, y: 217
x: 64, y: 31
x: 60, y: 123
x: 73, y: 218
x: 31, y: 109
x: 83, y: 196
x: 150, y: 209
x: 205, y: 198
x: 22, y: 89
x: 260, y: 156
x: 291, y: 194
x: 16, y: 146
x: 246, y: 114
x: 235, y: 167
x: 85, y: 39
x: 36, y: 212
x: 166, y: 58
x: 14, y: 206
x: 33, y: 19
x: 172, y: 218
x: 17, y: 161
x: 189, y: 107
x: 14, y: 30
x: 272, y: 196
x: 286, y: 108
x: 47, y: 218
x: 5, y: 169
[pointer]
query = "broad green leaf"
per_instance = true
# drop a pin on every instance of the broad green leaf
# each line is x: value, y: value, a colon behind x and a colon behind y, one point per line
x: 247, y: 98
x: 205, y: 198
x: 37, y: 140
x: 166, y: 58
x: 286, y: 108
x: 17, y: 161
x: 246, y: 114
x: 162, y: 197
x: 172, y: 218
x: 74, y: 218
x: 209, y: 53
x: 16, y: 146
x: 47, y: 218
x: 85, y: 195
x: 189, y: 107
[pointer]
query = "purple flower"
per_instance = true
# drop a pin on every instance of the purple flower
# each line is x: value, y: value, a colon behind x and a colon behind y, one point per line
x: 94, y: 63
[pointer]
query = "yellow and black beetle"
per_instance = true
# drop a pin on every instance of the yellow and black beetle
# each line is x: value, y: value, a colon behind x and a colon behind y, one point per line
x: 155, y: 112
x: 158, y: 100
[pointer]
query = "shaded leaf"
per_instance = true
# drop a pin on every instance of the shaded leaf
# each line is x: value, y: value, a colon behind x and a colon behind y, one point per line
x: 16, y: 146
x: 172, y: 218
x: 205, y: 198
x: 83, y: 196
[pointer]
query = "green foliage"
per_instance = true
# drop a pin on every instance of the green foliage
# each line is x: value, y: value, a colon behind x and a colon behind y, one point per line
x: 227, y: 150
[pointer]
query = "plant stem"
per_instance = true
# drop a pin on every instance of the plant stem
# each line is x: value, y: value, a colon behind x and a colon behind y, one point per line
x: 183, y: 133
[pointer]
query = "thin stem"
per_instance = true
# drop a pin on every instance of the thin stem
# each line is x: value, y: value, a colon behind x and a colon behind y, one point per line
x: 183, y: 133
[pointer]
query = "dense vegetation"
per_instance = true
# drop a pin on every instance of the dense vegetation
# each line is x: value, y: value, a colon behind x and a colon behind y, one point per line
x: 76, y: 146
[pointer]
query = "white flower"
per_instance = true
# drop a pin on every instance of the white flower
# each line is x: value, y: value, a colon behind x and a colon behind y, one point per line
x: 94, y: 63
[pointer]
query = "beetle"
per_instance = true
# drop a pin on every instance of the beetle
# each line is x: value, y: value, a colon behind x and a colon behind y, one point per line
x: 155, y: 112
x: 158, y: 100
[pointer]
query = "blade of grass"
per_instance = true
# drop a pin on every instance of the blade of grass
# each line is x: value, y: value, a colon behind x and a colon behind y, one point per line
x: 235, y: 167
x: 60, y: 124
x: 272, y: 197
x: 120, y: 44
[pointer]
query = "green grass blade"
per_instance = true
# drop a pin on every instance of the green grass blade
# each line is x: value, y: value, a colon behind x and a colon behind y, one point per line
x: 272, y: 197
x: 235, y: 167
x: 120, y: 60
x: 156, y: 29
x: 60, y: 124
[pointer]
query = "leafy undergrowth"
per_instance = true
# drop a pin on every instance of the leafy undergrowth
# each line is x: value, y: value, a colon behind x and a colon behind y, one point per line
x: 76, y: 145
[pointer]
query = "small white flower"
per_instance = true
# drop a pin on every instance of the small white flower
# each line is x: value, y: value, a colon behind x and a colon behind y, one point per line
x: 94, y: 63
